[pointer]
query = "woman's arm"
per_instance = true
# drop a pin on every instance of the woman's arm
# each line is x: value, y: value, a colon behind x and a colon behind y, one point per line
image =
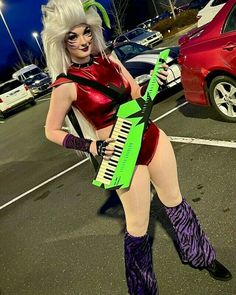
x: 61, y: 101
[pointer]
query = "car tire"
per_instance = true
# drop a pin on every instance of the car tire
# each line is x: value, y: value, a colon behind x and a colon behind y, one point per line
x: 33, y: 102
x: 223, y: 103
x: 2, y: 115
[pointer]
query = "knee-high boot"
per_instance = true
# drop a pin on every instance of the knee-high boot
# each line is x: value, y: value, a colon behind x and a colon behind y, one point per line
x: 193, y: 245
x: 138, y: 266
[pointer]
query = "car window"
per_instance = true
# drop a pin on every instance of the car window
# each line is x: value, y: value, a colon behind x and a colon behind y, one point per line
x: 218, y: 2
x: 138, y: 68
x: 29, y: 81
x: 121, y: 39
x: 32, y: 72
x: 127, y: 51
x: 131, y: 35
x: 230, y: 24
x: 9, y: 86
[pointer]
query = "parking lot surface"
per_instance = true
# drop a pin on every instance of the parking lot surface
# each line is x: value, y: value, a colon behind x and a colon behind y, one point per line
x: 55, y: 241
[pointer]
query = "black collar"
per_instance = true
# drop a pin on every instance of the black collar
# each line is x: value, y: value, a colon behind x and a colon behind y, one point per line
x: 89, y: 63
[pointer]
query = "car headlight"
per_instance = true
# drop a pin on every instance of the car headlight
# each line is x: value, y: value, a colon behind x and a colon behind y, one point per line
x: 143, y: 42
x: 158, y: 34
x: 143, y: 78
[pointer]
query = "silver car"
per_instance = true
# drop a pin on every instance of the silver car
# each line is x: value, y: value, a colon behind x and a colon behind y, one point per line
x: 141, y: 36
x: 38, y: 83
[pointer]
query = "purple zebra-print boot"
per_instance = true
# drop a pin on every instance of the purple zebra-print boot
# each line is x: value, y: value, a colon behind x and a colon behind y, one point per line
x: 192, y: 244
x: 138, y: 266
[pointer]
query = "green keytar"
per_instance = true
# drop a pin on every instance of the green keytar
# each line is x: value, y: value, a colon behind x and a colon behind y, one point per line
x: 132, y: 120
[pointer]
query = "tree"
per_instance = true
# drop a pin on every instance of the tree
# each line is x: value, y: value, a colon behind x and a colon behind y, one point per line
x: 171, y: 6
x: 30, y: 58
x: 118, y: 12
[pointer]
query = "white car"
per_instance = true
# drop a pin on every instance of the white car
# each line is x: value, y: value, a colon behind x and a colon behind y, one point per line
x: 140, y: 36
x: 13, y: 94
x: 209, y: 11
x: 139, y: 60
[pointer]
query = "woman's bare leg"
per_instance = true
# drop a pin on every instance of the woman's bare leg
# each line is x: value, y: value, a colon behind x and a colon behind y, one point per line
x: 163, y: 173
x: 136, y: 202
x: 137, y: 249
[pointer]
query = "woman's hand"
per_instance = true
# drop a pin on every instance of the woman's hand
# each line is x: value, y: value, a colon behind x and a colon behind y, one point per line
x: 102, y: 148
x: 162, y: 74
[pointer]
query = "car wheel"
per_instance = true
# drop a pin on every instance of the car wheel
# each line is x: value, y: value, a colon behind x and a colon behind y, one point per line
x: 222, y: 92
x: 33, y: 102
x: 2, y: 115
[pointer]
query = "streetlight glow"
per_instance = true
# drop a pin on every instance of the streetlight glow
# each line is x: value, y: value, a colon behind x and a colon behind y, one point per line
x: 35, y: 35
x: 9, y: 32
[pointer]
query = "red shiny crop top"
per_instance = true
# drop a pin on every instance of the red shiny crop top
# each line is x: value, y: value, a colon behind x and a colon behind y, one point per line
x: 96, y: 107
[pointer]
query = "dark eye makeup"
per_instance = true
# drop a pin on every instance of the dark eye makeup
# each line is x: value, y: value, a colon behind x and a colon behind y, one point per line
x: 87, y: 31
x: 72, y: 36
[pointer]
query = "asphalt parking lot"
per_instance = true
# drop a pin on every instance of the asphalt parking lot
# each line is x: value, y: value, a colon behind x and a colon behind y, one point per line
x: 53, y: 241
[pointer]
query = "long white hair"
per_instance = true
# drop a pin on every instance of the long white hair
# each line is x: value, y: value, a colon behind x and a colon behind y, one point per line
x: 59, y: 17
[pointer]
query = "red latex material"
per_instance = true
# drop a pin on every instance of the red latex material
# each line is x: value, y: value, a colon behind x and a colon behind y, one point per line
x: 149, y: 145
x: 97, y: 108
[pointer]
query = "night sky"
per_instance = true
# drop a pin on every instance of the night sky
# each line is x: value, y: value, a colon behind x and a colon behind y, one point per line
x: 22, y: 17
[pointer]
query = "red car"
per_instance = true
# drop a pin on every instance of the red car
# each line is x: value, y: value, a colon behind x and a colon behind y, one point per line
x: 208, y: 63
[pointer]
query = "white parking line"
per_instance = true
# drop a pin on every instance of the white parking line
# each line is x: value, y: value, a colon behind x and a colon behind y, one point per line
x: 43, y: 99
x: 212, y: 142
x: 171, y: 111
x: 43, y: 183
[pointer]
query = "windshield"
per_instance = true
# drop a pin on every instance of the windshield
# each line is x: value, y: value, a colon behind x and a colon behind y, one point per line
x: 129, y: 50
x: 32, y: 79
x: 133, y: 34
x: 32, y: 73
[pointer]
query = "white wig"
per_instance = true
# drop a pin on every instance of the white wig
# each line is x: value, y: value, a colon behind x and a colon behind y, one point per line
x: 59, y: 17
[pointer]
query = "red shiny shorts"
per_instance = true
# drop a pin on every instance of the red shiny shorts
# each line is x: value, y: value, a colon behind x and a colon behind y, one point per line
x: 149, y: 145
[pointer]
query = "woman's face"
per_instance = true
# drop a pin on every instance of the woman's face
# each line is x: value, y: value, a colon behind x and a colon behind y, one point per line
x: 79, y: 43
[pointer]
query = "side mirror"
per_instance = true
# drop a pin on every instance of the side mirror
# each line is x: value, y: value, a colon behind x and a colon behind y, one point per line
x: 143, y: 78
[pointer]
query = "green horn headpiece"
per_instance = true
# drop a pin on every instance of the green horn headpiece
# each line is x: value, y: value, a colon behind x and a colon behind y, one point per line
x: 105, y: 17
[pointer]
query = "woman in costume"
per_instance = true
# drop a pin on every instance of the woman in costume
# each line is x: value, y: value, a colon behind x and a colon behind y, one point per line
x: 74, y: 44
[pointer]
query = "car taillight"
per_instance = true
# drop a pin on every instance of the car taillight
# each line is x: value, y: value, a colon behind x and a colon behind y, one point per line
x: 26, y: 87
x: 181, y: 59
x: 1, y: 100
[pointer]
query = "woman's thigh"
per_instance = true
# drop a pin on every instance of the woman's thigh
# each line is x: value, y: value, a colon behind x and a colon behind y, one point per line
x: 163, y: 172
x: 136, y: 201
